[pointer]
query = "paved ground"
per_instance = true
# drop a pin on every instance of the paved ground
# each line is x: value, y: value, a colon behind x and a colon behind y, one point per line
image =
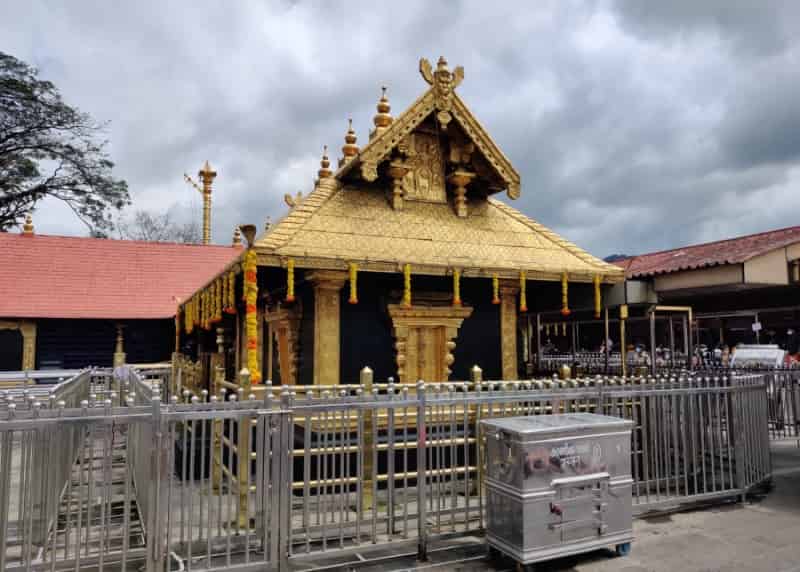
x: 763, y: 534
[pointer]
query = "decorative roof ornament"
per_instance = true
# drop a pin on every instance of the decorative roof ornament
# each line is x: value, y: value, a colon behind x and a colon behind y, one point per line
x: 27, y: 228
x: 443, y: 82
x: 324, y: 165
x: 237, y: 236
x: 350, y: 149
x: 293, y: 201
x: 383, y: 119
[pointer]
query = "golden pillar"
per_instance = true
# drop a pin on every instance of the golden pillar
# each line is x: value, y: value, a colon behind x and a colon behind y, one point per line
x: 207, y: 176
x: 508, y: 328
x: 119, y: 349
x: 327, y: 284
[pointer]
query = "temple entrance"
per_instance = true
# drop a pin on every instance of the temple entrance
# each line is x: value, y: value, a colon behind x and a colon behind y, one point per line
x: 425, y: 340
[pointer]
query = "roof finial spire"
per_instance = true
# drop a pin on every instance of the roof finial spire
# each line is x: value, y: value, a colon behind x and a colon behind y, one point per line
x: 383, y: 118
x: 324, y: 165
x: 350, y: 149
x: 27, y: 228
x: 237, y: 236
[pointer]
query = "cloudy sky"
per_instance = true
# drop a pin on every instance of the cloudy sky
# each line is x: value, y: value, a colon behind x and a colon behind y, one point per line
x: 635, y: 125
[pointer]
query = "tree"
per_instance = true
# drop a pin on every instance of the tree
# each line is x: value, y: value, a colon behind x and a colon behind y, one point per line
x: 50, y: 149
x: 158, y: 228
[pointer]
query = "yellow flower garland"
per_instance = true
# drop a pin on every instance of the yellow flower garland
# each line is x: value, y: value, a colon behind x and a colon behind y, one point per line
x: 564, y: 295
x: 290, y: 280
x: 523, y: 302
x: 597, y: 296
x: 495, y: 289
x: 456, y: 287
x: 230, y: 300
x: 353, y: 284
x: 406, y: 286
x: 251, y: 317
x: 563, y: 328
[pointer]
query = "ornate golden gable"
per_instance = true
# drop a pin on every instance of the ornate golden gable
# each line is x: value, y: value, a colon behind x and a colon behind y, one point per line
x: 445, y: 112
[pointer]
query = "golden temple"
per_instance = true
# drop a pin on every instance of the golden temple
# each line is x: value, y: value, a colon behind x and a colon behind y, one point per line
x: 433, y: 261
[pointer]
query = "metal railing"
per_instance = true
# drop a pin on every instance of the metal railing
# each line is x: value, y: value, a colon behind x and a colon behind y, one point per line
x: 131, y: 483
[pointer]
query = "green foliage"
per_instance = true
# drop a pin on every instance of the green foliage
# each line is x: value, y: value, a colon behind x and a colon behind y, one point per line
x: 50, y: 149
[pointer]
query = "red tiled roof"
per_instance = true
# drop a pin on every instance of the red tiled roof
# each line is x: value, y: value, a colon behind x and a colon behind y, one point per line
x: 729, y: 251
x: 70, y: 277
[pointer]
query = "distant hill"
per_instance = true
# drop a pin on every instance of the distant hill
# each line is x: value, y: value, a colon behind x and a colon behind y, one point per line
x: 615, y: 257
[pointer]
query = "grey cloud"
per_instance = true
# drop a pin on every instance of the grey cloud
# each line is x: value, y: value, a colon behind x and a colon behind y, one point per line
x: 632, y: 129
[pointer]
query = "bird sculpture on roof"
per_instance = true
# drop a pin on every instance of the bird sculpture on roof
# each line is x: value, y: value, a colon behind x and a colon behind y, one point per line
x: 444, y: 82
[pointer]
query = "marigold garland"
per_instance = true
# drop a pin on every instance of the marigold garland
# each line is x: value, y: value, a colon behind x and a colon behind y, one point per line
x: 218, y: 300
x: 230, y: 298
x: 353, y: 284
x: 597, y: 296
x: 177, y: 329
x: 251, y: 317
x: 406, y: 286
x: 565, y: 311
x: 456, y: 287
x: 290, y: 280
x: 495, y: 289
x: 523, y: 302
x: 563, y: 328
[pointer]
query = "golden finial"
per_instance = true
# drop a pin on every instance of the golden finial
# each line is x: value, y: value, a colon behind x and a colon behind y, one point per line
x: 383, y: 118
x: 27, y: 228
x: 325, y: 165
x: 268, y: 224
x: 350, y: 149
x: 237, y: 236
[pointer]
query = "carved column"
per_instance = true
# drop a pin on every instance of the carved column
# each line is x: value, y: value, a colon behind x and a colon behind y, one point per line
x: 327, y: 348
x: 460, y: 179
x: 284, y: 326
x: 28, y: 330
x: 508, y: 329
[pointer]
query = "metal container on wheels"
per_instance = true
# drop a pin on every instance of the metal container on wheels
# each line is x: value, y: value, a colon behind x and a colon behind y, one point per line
x: 558, y: 485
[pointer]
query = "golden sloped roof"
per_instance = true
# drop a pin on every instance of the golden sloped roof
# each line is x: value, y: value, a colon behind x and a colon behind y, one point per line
x: 349, y: 216
x: 335, y: 226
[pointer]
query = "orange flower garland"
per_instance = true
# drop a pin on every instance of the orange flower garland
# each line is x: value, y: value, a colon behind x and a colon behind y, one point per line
x: 251, y: 318
x: 565, y: 311
x: 523, y: 302
x: 353, y: 284
x: 495, y: 289
x: 597, y: 296
x: 456, y: 287
x: 290, y: 280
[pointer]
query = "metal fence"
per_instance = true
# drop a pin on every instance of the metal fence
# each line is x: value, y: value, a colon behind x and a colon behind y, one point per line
x: 206, y: 483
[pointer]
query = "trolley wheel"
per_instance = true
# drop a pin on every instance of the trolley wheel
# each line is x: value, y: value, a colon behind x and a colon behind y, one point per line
x: 623, y: 549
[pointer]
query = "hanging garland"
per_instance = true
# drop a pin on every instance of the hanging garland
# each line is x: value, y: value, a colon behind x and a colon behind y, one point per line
x: 597, y: 296
x: 251, y: 317
x: 563, y: 328
x: 353, y: 284
x: 196, y: 308
x: 456, y: 287
x: 290, y: 280
x: 523, y: 302
x: 547, y: 330
x: 230, y: 300
x: 495, y: 289
x: 564, y: 296
x: 177, y: 329
x: 407, y: 286
x: 224, y: 301
x: 218, y: 300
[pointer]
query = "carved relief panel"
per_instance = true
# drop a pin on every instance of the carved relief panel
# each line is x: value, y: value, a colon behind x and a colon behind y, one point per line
x: 425, y: 178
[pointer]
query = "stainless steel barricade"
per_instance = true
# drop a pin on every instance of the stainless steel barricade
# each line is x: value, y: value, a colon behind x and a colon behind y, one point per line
x: 127, y: 481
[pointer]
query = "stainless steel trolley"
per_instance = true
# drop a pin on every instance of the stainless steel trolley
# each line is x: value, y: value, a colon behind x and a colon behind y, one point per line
x: 558, y: 485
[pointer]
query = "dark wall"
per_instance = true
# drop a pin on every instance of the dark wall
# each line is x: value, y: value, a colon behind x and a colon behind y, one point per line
x: 80, y: 343
x: 10, y: 350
